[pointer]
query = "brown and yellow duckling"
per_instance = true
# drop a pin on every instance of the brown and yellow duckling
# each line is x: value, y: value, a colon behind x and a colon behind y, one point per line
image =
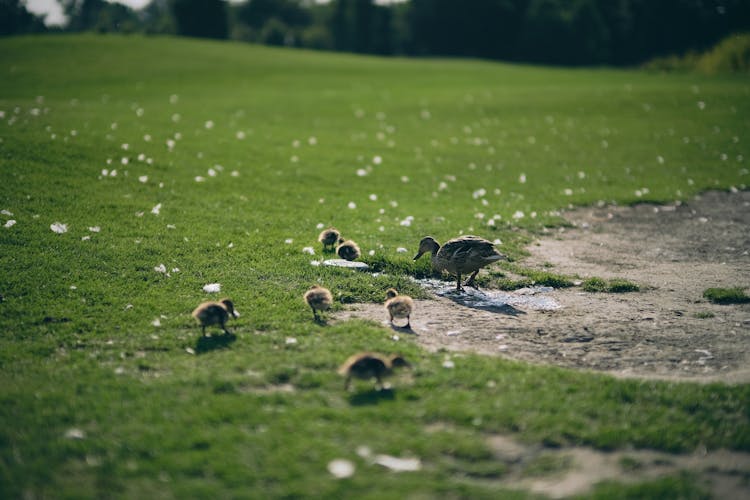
x: 367, y: 365
x: 399, y: 306
x: 215, y: 313
x: 329, y: 237
x: 319, y: 299
x: 348, y: 250
x: 463, y: 255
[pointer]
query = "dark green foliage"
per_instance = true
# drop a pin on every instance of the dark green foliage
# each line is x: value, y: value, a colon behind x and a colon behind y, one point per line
x: 735, y: 295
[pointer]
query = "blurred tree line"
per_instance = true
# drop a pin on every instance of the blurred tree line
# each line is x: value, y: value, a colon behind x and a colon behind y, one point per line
x: 564, y: 32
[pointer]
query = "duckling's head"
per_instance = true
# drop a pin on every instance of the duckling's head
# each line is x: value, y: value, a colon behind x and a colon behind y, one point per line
x: 229, y: 305
x: 390, y: 293
x: 398, y: 361
x: 428, y: 244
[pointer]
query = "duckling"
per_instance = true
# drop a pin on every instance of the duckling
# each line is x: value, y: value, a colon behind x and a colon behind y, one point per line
x: 463, y: 255
x: 212, y: 313
x: 399, y: 306
x: 329, y: 237
x: 319, y: 299
x: 366, y: 365
x: 348, y: 250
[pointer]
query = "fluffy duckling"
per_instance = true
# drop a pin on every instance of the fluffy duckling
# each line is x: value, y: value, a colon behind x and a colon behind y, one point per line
x: 348, y: 250
x: 458, y: 256
x: 366, y: 365
x: 215, y: 313
x: 329, y: 237
x: 399, y: 306
x: 319, y: 299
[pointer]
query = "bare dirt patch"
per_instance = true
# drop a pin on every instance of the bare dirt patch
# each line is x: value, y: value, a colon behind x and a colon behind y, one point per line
x: 666, y: 330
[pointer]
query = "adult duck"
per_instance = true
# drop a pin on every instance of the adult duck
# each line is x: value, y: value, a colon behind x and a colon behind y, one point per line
x: 463, y: 255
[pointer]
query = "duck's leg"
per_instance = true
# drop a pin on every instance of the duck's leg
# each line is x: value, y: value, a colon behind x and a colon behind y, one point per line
x: 315, y: 314
x: 470, y: 281
x: 458, y: 282
x: 347, y: 382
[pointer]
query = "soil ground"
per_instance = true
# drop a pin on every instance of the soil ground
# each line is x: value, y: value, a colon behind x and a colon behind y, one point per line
x: 666, y: 330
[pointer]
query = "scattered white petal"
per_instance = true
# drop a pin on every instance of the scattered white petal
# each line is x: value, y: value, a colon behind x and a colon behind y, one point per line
x: 497, y: 241
x: 308, y: 250
x: 405, y: 222
x: 139, y: 214
x: 701, y: 105
x: 73, y: 287
x: 6, y: 212
x: 147, y: 137
x: 401, y: 250
x: 479, y: 193
x: 289, y: 241
x: 10, y: 223
x: 173, y: 99
x: 522, y: 178
x: 156, y: 209
x: 518, y: 215
x: 113, y: 173
x: 125, y: 146
x: 190, y: 350
x: 95, y: 229
x: 240, y: 135
x: 568, y: 192
x: 59, y: 227
x: 377, y: 160
x: 74, y: 433
x: 395, y: 338
x: 448, y: 364
x: 364, y: 451
x: 373, y: 197
x: 320, y: 225
x: 312, y: 141
x: 315, y: 263
x: 341, y: 468
x: 212, y: 288
x: 176, y: 117
x: 161, y: 268
x: 175, y: 269
x: 290, y: 341
x: 211, y: 172
x: 156, y: 322
x: 209, y: 124
x: 124, y: 160
x: 398, y: 464
x: 143, y: 179
x: 234, y: 173
x: 404, y: 179
x: 361, y: 172
x: 198, y: 178
x: 352, y: 205
x: 371, y: 253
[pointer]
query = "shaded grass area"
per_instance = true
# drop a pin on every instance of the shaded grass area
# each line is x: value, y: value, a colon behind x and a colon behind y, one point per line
x: 229, y: 159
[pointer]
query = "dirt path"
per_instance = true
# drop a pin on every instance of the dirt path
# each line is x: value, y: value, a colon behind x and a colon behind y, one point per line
x: 674, y: 252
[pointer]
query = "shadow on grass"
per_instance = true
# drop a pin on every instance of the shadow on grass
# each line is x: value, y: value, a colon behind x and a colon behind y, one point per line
x: 372, y: 397
x: 207, y: 344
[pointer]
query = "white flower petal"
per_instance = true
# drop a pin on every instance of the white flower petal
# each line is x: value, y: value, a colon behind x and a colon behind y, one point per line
x: 59, y: 227
x: 341, y: 468
x: 212, y: 288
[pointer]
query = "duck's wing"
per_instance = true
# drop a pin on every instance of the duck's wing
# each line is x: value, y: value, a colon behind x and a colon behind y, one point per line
x: 468, y: 252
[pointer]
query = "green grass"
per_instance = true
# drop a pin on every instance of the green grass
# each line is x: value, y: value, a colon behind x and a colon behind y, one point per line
x: 615, y: 285
x: 734, y: 295
x: 97, y: 401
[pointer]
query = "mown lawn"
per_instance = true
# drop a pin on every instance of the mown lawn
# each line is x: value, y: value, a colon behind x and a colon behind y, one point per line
x: 176, y: 163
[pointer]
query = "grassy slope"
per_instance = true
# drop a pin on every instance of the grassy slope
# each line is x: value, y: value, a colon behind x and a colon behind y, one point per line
x: 159, y: 420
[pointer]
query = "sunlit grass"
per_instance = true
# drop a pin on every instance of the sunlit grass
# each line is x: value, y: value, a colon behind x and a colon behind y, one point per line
x: 204, y: 163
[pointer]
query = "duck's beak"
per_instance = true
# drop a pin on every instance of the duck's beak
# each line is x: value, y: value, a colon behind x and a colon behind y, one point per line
x: 418, y: 255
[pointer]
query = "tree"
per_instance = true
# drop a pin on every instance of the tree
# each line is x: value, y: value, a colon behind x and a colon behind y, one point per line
x: 201, y: 18
x: 16, y: 19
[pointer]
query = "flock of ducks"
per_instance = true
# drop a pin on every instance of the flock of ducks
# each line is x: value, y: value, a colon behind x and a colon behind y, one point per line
x: 464, y: 255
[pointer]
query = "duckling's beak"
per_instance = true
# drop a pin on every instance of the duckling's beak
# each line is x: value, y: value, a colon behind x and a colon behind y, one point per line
x: 418, y: 255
